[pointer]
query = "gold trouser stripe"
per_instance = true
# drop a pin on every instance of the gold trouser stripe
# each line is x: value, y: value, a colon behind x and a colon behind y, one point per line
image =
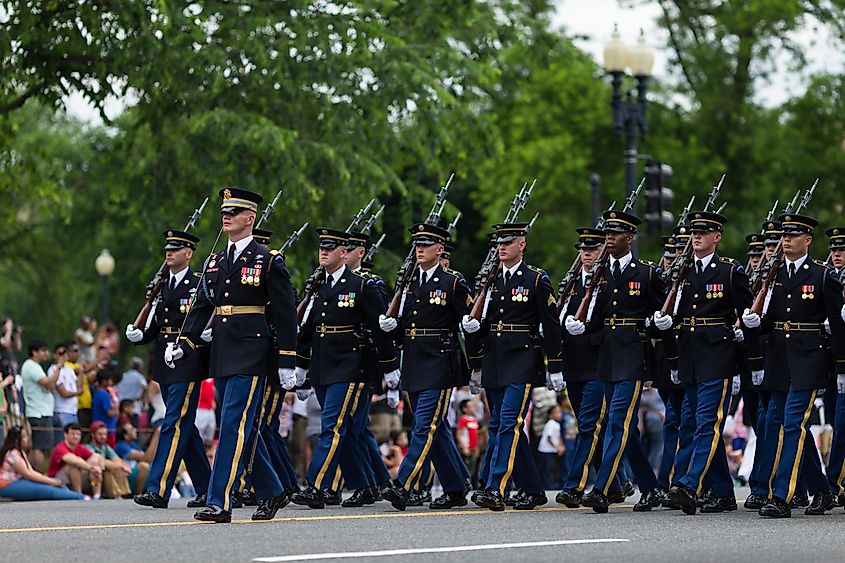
x: 625, y: 429
x: 171, y: 453
x: 336, y: 438
x: 239, y: 447
x: 337, y: 477
x: 717, y: 437
x: 777, y: 461
x: 424, y: 453
x: 516, y: 432
x: 793, y: 478
x: 585, y: 473
x: 677, y: 447
x: 276, y: 396
x: 338, y: 474
x: 242, y: 479
x: 841, y: 477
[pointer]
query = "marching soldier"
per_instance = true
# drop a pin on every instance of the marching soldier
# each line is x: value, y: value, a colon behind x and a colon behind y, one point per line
x: 330, y: 347
x: 836, y: 467
x: 803, y: 295
x: 514, y: 360
x: 238, y: 285
x: 714, y: 294
x: 630, y: 292
x: 179, y: 438
x: 585, y: 389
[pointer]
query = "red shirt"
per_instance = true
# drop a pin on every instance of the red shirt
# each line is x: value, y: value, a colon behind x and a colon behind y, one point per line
x: 469, y: 426
x: 59, y: 452
x: 206, y: 394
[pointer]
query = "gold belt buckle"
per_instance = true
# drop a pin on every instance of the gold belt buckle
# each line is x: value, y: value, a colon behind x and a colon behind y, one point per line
x: 226, y: 309
x: 413, y: 333
x: 787, y: 326
x: 612, y: 321
x: 499, y: 326
x: 321, y: 328
x: 692, y: 321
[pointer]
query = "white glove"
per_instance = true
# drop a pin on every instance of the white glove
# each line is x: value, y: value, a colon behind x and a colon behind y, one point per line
x: 673, y: 375
x: 736, y: 385
x: 662, y: 321
x: 392, y: 379
x: 387, y: 324
x: 840, y: 383
x: 303, y: 394
x: 134, y: 334
x: 827, y: 326
x: 301, y: 374
x: 556, y: 380
x: 287, y: 377
x: 749, y: 319
x: 470, y: 324
x: 171, y: 354
x: 757, y: 377
x: 393, y: 398
x: 819, y: 402
x: 842, y: 313
x: 206, y: 335
x: 574, y: 326
x: 739, y: 336
x: 542, y: 334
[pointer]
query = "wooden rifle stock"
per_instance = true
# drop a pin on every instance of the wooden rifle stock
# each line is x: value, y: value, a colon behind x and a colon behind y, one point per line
x: 393, y: 308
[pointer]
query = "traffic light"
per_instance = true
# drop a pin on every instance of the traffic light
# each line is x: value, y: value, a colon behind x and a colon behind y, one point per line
x: 658, y: 197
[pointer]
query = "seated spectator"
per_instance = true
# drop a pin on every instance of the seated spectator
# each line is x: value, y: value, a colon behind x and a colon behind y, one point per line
x: 132, y: 386
x: 38, y: 396
x: 126, y: 413
x: 19, y: 481
x: 117, y: 483
x: 104, y: 406
x: 75, y: 465
x: 139, y: 459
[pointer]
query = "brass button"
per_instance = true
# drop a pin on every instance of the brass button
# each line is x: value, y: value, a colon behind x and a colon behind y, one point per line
x: 415, y: 312
x: 692, y: 329
x: 258, y: 334
x: 166, y: 310
x: 166, y: 321
x: 503, y: 298
x: 225, y: 319
x: 788, y: 309
x: 789, y: 296
x: 787, y: 335
x: 614, y: 302
x: 322, y: 314
x: 418, y: 300
x: 695, y: 307
x: 227, y: 281
x: 615, y: 291
x: 226, y: 294
x: 498, y: 334
x: 413, y: 325
x: 325, y: 303
x: 695, y: 296
x: 501, y: 310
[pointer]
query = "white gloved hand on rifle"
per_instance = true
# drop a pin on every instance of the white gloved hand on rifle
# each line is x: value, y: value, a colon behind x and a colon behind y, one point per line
x: 133, y: 334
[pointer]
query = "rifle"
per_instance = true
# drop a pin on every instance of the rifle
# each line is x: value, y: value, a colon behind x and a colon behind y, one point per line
x: 754, y: 278
x: 454, y: 224
x: 681, y: 221
x: 492, y: 265
x: 683, y: 261
x: 765, y: 262
x: 155, y: 285
x: 269, y: 209
x: 596, y: 272
x: 777, y: 257
x: 403, y: 276
x: 368, y: 258
x: 318, y: 275
x: 294, y: 236
x: 372, y: 220
x: 567, y: 283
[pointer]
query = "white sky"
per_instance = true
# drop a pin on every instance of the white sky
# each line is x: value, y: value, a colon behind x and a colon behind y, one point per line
x: 595, y: 19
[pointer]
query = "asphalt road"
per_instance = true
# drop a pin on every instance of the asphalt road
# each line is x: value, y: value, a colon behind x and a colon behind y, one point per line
x: 120, y: 531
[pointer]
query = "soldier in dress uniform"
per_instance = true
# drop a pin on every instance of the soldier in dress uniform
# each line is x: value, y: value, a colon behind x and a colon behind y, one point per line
x: 446, y: 257
x: 434, y: 302
x: 804, y: 294
x: 330, y: 349
x: 180, y: 388
x: 238, y: 285
x: 585, y: 389
x: 836, y: 466
x: 714, y: 294
x: 515, y: 359
x: 629, y: 293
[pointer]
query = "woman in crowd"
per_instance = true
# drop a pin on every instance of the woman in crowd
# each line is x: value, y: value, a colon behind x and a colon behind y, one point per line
x: 19, y: 481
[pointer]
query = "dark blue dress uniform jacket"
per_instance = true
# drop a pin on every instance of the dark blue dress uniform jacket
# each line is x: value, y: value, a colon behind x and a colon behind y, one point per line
x: 709, y: 306
x: 242, y: 343
x: 331, y: 340
x: 515, y: 355
x: 797, y: 355
x: 373, y: 372
x: 432, y: 357
x: 620, y: 312
x: 170, y: 311
x: 580, y: 353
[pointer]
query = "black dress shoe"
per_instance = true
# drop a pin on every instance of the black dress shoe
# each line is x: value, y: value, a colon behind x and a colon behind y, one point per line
x: 616, y: 497
x: 449, y: 500
x: 800, y: 500
x: 596, y: 500
x: 755, y: 502
x: 376, y: 492
x: 425, y: 496
x: 705, y: 498
x: 310, y: 497
x: 149, y: 498
x: 358, y: 499
x: 492, y: 500
x: 396, y: 496
x: 214, y: 514
x: 776, y: 508
x: 199, y: 501
x: 628, y: 489
x: 822, y: 502
x: 237, y: 500
x: 841, y: 499
x: 530, y: 501
x: 648, y: 500
x: 570, y: 498
x: 511, y: 500
x: 267, y: 508
x: 248, y: 498
x: 683, y: 497
x: 474, y: 496
x: 332, y: 498
x: 719, y: 504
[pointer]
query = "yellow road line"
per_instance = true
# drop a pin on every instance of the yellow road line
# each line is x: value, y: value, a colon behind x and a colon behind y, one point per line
x: 292, y: 519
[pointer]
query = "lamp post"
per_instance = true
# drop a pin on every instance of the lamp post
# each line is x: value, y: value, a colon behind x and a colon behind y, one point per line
x: 629, y: 114
x: 104, y: 264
